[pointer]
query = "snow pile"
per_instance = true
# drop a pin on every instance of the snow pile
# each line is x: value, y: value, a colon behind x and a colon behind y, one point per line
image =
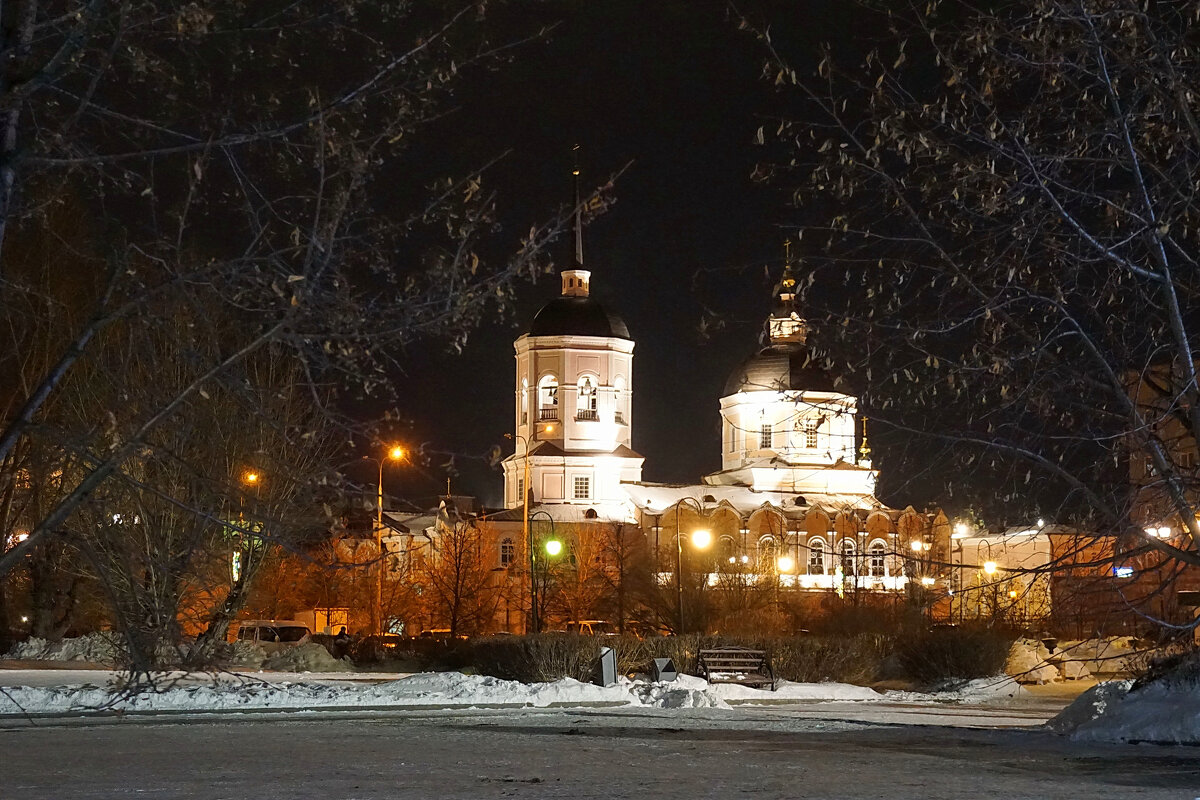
x: 445, y: 689
x: 243, y: 654
x: 982, y: 690
x: 307, y: 657
x: 1090, y: 705
x: 1161, y: 712
x: 1029, y: 662
x: 1111, y: 656
x: 102, y: 648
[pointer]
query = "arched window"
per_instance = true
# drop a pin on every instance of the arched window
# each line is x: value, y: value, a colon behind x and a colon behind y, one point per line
x: 767, y: 549
x: 524, y: 401
x: 508, y: 552
x: 586, y: 398
x: 878, y: 559
x: 848, y: 556
x: 816, y: 557
x: 548, y: 398
x: 727, y: 550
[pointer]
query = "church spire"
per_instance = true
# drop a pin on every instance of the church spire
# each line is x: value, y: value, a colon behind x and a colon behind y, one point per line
x: 575, y: 280
x: 578, y: 263
x: 864, y: 452
x: 785, y: 324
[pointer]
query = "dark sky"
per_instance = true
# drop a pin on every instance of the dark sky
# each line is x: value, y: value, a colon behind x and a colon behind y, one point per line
x: 672, y: 86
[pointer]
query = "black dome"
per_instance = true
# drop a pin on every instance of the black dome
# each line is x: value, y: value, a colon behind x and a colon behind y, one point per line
x: 577, y: 316
x: 779, y: 367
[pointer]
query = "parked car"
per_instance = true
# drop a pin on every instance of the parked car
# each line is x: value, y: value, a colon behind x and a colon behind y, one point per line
x: 273, y: 635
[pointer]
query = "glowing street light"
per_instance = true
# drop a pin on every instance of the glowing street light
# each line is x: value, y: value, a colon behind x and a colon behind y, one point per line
x: 394, y: 453
x: 701, y: 539
x: 251, y: 477
x: 989, y: 567
x: 961, y: 531
x: 786, y: 563
x: 553, y: 547
x: 917, y: 546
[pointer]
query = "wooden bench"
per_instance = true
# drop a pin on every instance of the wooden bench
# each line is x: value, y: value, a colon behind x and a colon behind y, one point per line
x: 736, y: 665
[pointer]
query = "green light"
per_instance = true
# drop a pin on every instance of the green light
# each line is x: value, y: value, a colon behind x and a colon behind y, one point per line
x: 553, y: 547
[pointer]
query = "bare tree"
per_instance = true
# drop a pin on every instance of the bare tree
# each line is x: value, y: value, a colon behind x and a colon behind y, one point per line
x: 1002, y: 210
x: 239, y: 177
x: 457, y: 574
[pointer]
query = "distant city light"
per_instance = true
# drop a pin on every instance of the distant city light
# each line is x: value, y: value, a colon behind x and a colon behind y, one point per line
x: 1123, y: 572
x: 961, y: 530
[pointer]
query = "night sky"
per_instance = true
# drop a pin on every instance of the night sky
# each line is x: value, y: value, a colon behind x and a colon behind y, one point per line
x: 673, y: 87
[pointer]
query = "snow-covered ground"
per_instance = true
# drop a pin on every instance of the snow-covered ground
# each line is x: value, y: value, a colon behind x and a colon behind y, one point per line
x: 72, y: 691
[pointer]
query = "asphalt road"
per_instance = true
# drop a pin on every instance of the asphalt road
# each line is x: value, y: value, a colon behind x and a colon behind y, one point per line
x: 688, y: 754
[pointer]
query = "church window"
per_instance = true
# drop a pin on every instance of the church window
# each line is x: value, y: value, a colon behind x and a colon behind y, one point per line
x: 810, y: 435
x: 621, y: 400
x: 847, y: 557
x: 767, y: 548
x: 524, y: 402
x: 764, y: 436
x: 586, y: 404
x: 548, y: 398
x: 732, y: 438
x: 816, y: 557
x: 507, y: 553
x: 727, y: 550
x: 520, y: 490
x: 878, y: 562
x: 583, y: 488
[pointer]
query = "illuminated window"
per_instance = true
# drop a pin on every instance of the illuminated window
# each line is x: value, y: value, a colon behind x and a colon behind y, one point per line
x: 847, y: 557
x: 816, y: 557
x: 508, y: 552
x: 583, y: 488
x: 878, y: 562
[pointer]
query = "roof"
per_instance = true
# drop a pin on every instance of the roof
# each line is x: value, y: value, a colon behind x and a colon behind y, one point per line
x: 568, y: 513
x: 545, y: 447
x: 577, y: 316
x: 777, y: 368
x: 654, y: 498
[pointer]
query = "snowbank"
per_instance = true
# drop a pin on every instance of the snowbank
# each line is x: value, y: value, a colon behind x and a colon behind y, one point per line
x: 101, y: 648
x: 445, y: 689
x: 308, y: 657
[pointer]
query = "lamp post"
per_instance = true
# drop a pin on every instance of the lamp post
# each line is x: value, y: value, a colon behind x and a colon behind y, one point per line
x: 961, y: 531
x: 395, y: 453
x: 700, y: 539
x: 553, y: 548
x: 527, y: 532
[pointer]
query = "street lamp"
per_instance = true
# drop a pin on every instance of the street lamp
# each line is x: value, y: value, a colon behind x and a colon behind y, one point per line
x: 700, y: 540
x: 961, y: 531
x: 553, y: 548
x: 395, y: 453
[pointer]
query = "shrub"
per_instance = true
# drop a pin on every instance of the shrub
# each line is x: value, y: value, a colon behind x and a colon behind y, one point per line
x: 543, y: 657
x: 953, y: 654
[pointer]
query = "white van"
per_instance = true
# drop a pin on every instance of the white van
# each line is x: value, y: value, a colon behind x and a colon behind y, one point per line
x: 273, y: 635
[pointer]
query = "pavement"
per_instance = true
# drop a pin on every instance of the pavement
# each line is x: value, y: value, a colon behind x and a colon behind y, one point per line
x: 679, y: 754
